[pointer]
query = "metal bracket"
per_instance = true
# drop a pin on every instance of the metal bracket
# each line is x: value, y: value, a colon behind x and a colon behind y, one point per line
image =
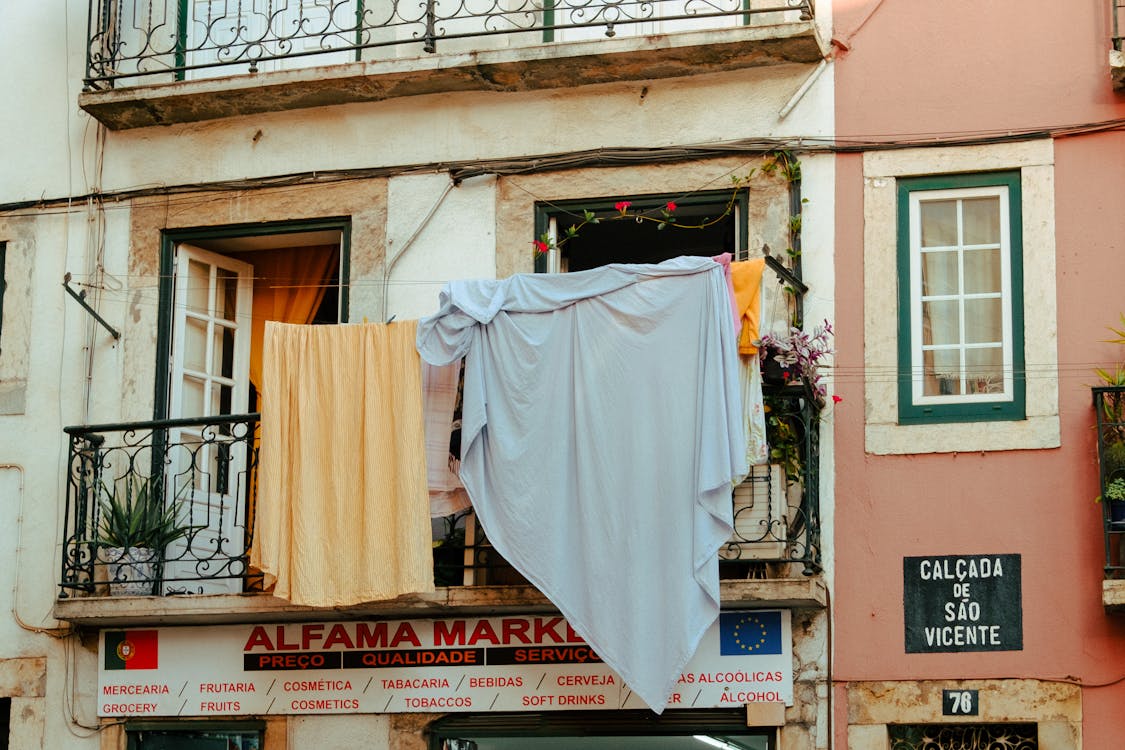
x: 779, y: 268
x: 81, y: 297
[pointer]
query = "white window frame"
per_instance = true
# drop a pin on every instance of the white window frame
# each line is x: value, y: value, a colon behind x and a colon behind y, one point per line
x: 917, y: 297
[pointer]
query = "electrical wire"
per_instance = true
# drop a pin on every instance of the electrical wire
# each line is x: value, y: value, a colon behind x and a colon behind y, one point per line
x: 599, y: 157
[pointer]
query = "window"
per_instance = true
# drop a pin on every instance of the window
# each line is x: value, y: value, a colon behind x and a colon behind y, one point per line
x: 960, y: 298
x: 196, y: 736
x: 716, y: 220
x: 219, y: 287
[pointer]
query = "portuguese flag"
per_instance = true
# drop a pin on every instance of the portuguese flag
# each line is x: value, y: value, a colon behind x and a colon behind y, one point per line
x: 131, y: 649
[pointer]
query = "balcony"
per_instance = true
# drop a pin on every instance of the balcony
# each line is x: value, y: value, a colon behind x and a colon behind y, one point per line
x: 1109, y: 409
x: 150, y: 64
x: 204, y: 470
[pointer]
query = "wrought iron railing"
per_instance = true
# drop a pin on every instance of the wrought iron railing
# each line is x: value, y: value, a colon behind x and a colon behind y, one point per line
x: 193, y: 474
x: 132, y: 41
x: 777, y: 508
x: 203, y: 473
x: 1109, y: 409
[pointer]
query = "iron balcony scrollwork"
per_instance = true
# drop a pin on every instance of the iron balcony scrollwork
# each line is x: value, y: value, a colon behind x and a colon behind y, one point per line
x: 202, y: 471
x: 132, y: 41
x: 207, y: 470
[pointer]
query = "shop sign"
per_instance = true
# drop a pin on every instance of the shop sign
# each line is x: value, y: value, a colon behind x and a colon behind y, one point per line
x: 955, y: 603
x: 516, y: 663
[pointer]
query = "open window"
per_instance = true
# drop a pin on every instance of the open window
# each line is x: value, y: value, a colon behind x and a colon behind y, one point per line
x: 705, y: 224
x: 220, y: 287
x: 700, y: 224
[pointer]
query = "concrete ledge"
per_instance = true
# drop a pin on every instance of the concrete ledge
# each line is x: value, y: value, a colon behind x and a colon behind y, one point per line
x: 790, y: 593
x: 1117, y: 69
x: 1113, y: 595
x: 543, y: 66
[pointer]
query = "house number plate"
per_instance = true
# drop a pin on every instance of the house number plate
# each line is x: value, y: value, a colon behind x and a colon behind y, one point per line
x: 960, y: 702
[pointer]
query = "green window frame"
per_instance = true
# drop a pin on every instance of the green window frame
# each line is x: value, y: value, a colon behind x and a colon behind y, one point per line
x: 960, y: 298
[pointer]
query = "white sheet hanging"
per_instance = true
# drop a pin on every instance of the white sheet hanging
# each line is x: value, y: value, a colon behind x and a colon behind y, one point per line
x: 601, y: 432
x: 439, y: 399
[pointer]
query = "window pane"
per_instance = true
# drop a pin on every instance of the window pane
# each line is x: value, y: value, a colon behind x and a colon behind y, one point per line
x: 222, y: 398
x: 982, y: 271
x: 942, y: 374
x: 981, y: 218
x: 985, y: 368
x: 198, y: 286
x: 228, y: 353
x: 941, y: 322
x: 939, y: 223
x: 228, y: 293
x: 195, y: 344
x: 983, y: 323
x: 939, y: 272
x: 192, y: 398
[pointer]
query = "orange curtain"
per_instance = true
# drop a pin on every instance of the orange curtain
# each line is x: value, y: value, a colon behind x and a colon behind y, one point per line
x: 289, y: 285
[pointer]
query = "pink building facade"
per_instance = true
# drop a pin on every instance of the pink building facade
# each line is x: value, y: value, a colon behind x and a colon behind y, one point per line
x: 978, y: 252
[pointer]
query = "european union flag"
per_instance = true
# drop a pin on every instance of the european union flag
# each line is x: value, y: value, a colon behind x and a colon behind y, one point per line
x: 742, y: 633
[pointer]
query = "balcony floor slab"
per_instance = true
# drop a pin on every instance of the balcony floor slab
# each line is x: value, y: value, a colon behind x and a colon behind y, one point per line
x: 547, y: 66
x: 786, y: 593
x: 1113, y: 595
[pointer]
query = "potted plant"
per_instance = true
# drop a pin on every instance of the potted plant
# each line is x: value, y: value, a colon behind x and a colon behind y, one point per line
x: 1111, y: 452
x: 1109, y: 400
x: 133, y: 530
x: 797, y: 357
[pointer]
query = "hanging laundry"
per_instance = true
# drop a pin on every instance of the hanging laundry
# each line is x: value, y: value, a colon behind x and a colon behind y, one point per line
x: 342, y: 512
x: 439, y: 402
x: 724, y: 260
x: 601, y: 432
x: 747, y: 278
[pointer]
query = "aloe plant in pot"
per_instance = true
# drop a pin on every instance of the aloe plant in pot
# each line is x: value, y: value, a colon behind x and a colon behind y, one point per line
x: 133, y: 530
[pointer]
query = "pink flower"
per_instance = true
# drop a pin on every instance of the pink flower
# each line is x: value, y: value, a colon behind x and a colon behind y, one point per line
x: 541, y: 246
x: 622, y: 206
x: 836, y: 399
x: 671, y: 206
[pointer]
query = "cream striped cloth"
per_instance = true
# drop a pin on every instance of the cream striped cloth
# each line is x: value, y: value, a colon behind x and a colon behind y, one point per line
x: 342, y: 509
